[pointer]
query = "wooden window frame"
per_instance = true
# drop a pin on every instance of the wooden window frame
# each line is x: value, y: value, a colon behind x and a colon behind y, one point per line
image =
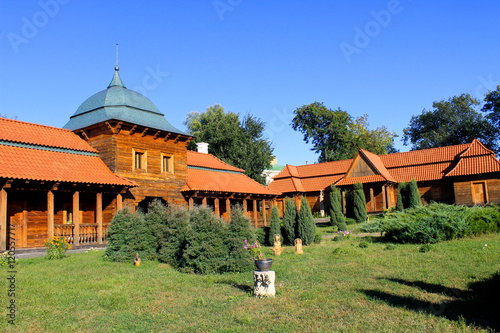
x: 170, y: 169
x: 143, y: 159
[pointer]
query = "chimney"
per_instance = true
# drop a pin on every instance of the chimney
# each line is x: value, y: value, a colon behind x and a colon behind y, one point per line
x: 202, y: 147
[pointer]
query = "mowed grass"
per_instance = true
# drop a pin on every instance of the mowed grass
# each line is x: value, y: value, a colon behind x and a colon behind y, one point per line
x: 325, y: 290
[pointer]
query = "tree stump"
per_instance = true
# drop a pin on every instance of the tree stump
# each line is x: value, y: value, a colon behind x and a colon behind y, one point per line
x: 263, y: 284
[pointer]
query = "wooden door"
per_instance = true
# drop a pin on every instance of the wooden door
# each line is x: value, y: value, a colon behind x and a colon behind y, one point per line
x: 17, y: 218
x: 479, y: 193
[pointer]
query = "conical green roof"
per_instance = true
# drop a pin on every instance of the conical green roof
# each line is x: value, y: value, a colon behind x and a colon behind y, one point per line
x: 122, y: 104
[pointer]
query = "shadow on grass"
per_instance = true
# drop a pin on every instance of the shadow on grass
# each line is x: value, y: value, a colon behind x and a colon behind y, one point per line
x: 478, y: 305
x: 243, y: 287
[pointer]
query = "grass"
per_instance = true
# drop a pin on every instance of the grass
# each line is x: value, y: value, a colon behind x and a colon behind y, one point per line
x: 349, y: 290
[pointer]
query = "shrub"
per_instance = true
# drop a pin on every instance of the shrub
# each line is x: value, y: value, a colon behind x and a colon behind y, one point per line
x: 390, y: 247
x: 262, y: 235
x: 342, y: 226
x: 425, y: 248
x: 413, y: 195
x: 484, y: 220
x: 400, y: 200
x: 56, y: 247
x: 306, y: 227
x: 350, y: 221
x: 359, y: 203
x: 335, y: 206
x: 275, y: 227
x: 239, y: 230
x: 317, y: 238
x: 289, y: 222
x: 372, y: 227
x: 363, y: 244
x: 338, y: 250
x: 338, y: 238
x: 129, y: 234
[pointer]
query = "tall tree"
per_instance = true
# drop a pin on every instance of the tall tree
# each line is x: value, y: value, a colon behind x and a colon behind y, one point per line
x: 450, y: 122
x: 289, y: 221
x: 306, y: 227
x: 413, y: 195
x: 239, y: 143
x: 492, y: 105
x: 359, y: 203
x: 336, y: 136
x: 275, y: 227
x: 335, y: 205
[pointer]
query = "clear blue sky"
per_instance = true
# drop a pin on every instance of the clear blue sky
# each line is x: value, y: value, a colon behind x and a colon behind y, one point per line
x: 388, y: 59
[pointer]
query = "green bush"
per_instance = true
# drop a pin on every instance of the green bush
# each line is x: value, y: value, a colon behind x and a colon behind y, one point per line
x: 413, y: 195
x: 289, y: 222
x: 174, y: 225
x: 484, y: 220
x: 335, y: 206
x: 425, y: 248
x: 306, y: 227
x: 129, y: 234
x: 317, y: 238
x: 400, y: 193
x: 363, y: 244
x: 239, y: 229
x: 359, y: 203
x: 338, y: 238
x: 275, y: 227
x: 342, y: 226
x: 350, y: 221
x: 262, y: 235
x: 390, y: 247
x: 372, y: 227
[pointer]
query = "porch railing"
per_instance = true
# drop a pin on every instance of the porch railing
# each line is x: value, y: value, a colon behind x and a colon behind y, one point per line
x: 88, y: 233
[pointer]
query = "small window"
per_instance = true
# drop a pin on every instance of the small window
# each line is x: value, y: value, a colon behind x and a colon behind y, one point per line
x: 139, y: 159
x: 167, y: 163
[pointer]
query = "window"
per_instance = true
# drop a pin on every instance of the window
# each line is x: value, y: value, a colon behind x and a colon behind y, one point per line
x: 167, y: 163
x: 139, y: 159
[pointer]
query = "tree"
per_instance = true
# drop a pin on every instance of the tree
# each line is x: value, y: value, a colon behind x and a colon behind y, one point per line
x: 492, y: 105
x: 239, y: 143
x: 306, y: 227
x: 336, y: 136
x: 335, y: 205
x: 451, y: 122
x: 413, y: 195
x: 289, y: 221
x: 359, y: 203
x: 400, y: 192
x: 275, y: 228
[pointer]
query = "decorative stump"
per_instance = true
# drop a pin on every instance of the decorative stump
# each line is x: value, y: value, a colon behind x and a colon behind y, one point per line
x: 277, y: 249
x: 263, y: 284
x: 298, y: 246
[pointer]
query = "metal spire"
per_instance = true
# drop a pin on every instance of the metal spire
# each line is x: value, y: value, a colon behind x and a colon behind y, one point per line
x: 116, y: 67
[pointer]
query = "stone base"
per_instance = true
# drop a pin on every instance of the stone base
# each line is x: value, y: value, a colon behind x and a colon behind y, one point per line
x: 263, y: 284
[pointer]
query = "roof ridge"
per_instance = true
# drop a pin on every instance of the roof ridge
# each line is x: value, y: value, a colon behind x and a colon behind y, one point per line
x: 36, y: 125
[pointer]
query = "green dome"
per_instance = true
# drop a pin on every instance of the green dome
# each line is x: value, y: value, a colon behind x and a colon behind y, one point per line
x: 122, y: 104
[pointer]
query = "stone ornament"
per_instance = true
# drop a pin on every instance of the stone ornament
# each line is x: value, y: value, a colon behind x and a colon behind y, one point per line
x: 263, y: 284
x: 277, y: 249
x: 298, y: 246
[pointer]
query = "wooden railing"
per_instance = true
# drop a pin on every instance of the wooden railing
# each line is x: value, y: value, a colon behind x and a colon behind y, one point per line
x: 88, y: 233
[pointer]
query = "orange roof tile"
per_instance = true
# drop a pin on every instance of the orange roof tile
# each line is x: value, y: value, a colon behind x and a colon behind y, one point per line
x: 34, y: 134
x: 377, y: 164
x: 218, y: 181
x: 476, y: 148
x: 46, y: 165
x: 475, y: 165
x: 362, y: 179
x: 209, y: 161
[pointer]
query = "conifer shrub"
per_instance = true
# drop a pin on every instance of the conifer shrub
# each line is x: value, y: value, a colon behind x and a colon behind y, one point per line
x: 484, y: 220
x: 349, y: 204
x: 129, y: 234
x: 413, y: 195
x: 173, y: 228
x: 317, y: 239
x: 342, y: 226
x: 399, y: 199
x: 275, y: 227
x: 363, y: 244
x: 359, y: 203
x: 306, y: 227
x: 335, y: 206
x: 289, y: 222
x: 262, y: 235
x: 239, y: 229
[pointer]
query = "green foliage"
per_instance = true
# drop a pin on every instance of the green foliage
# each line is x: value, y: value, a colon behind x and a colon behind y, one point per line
x: 484, y: 220
x: 425, y: 248
x: 239, y: 230
x: 129, y: 234
x: 174, y: 227
x: 262, y: 235
x: 239, y: 143
x: 400, y: 201
x: 342, y: 226
x: 336, y: 136
x: 275, y: 227
x: 492, y: 105
x: 338, y: 238
x: 289, y: 222
x: 306, y: 227
x: 390, y: 247
x: 335, y: 205
x: 451, y: 122
x: 413, y: 195
x: 359, y: 203
x: 363, y: 244
x: 372, y: 227
x: 317, y: 238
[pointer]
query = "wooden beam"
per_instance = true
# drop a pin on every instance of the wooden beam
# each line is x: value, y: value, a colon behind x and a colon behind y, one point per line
x: 98, y: 217
x: 191, y: 202
x: 166, y: 137
x: 84, y: 135
x: 372, y: 200
x: 177, y: 138
x: 156, y: 135
x: 132, y: 130
x: 264, y: 212
x: 343, y: 202
x: 228, y: 209
x: 76, y: 218
x: 119, y: 201
x: 118, y: 127
x: 145, y: 132
x: 384, y: 199
x: 204, y: 202
x: 255, y: 211
x: 50, y: 214
x: 3, y: 219
x: 245, y: 208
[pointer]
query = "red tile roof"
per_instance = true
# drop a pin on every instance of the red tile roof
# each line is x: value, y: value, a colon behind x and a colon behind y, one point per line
x: 36, y: 152
x: 209, y: 161
x: 423, y: 165
x: 29, y: 133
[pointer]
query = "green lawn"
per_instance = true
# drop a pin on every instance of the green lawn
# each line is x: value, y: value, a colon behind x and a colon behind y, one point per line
x: 351, y: 290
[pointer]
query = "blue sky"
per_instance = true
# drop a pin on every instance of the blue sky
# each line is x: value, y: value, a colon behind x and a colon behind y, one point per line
x: 388, y: 59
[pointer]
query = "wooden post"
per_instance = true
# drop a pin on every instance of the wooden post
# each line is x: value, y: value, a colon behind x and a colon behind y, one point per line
x: 191, y: 203
x: 76, y: 218
x: 264, y: 211
x: 119, y: 201
x: 216, y: 207
x: 245, y: 209
x: 204, y: 202
x: 228, y: 209
x: 343, y: 202
x: 384, y: 200
x: 255, y: 218
x: 372, y: 200
x: 3, y: 220
x: 50, y: 214
x: 98, y: 217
